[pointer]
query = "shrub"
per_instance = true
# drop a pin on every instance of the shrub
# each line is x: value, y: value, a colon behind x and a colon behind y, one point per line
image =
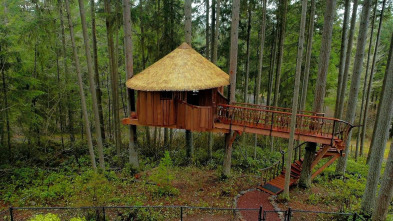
x: 45, y: 217
x: 163, y: 177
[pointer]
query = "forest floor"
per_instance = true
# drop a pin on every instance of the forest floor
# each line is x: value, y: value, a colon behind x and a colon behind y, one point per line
x: 199, y: 187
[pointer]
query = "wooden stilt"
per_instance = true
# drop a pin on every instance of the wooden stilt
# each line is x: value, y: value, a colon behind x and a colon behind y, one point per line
x: 320, y: 156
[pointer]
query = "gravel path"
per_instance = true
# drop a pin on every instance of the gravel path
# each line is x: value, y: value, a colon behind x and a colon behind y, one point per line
x: 254, y: 199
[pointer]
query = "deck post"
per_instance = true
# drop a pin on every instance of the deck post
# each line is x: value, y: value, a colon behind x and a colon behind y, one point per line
x: 260, y: 213
x: 289, y: 214
x: 11, y: 213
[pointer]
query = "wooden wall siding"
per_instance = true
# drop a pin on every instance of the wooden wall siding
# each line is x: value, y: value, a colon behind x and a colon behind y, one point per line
x: 205, y: 97
x: 154, y: 111
x: 192, y: 117
x: 221, y: 99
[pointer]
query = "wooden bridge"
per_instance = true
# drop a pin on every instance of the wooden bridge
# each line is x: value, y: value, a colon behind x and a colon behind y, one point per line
x: 330, y: 133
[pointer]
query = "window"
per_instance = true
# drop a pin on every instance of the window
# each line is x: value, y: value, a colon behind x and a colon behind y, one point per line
x: 166, y: 95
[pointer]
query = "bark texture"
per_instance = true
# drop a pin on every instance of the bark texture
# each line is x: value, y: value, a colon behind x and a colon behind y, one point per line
x: 380, y: 136
x: 354, y: 89
x: 109, y: 22
x: 295, y: 98
x: 187, y: 27
x: 282, y: 24
x: 340, y: 105
x: 385, y: 194
x: 226, y: 170
x: 81, y: 92
x: 307, y: 65
x: 343, y: 50
x: 320, y: 87
x: 132, y: 153
x: 369, y: 87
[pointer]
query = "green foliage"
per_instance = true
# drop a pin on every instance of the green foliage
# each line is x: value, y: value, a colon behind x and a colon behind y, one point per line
x: 46, y: 217
x: 163, y: 177
x: 93, y: 189
x: 346, y: 192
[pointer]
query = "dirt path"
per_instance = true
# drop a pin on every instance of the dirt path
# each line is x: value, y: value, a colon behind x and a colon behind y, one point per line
x: 255, y: 199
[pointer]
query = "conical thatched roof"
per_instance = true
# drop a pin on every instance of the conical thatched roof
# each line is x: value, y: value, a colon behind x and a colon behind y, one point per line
x: 183, y: 69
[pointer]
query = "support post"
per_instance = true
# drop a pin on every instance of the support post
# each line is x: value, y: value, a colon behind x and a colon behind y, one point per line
x: 260, y: 213
x: 103, y: 213
x: 289, y: 214
x: 181, y: 213
x: 11, y: 213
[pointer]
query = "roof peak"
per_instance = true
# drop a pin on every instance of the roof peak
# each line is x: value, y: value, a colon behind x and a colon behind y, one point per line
x: 184, y: 45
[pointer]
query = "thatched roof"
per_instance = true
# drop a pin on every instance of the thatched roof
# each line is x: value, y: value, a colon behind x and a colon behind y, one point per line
x: 183, y: 69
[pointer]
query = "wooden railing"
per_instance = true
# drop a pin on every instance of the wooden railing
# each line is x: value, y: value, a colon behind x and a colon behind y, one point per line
x: 271, y: 172
x: 282, y: 109
x: 308, y: 125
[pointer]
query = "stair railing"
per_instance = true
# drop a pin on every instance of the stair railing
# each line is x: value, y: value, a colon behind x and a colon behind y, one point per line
x: 271, y: 172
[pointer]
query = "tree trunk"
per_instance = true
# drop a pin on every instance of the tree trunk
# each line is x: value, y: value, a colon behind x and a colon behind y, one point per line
x: 248, y: 52
x: 283, y: 21
x: 109, y: 21
x: 67, y: 73
x: 216, y: 32
x: 369, y: 87
x: 226, y: 170
x: 343, y: 50
x: 207, y: 4
x: 365, y: 85
x: 96, y: 74
x: 6, y: 112
x: 385, y: 194
x: 307, y: 65
x: 81, y: 92
x: 187, y: 28
x: 295, y: 99
x: 260, y: 65
x: 187, y: 21
x: 147, y: 129
x: 92, y: 86
x: 380, y: 136
x: 272, y: 64
x: 348, y: 56
x: 324, y: 58
x: 132, y: 153
x: 354, y: 89
x: 213, y: 28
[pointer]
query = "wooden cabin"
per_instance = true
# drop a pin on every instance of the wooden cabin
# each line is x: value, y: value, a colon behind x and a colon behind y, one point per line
x: 181, y: 90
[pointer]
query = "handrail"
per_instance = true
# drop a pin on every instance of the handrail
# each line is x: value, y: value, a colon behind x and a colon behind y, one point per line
x: 286, y: 113
x: 309, y: 125
x: 271, y: 172
x: 277, y: 108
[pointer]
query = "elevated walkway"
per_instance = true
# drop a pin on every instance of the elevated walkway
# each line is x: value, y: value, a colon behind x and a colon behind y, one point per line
x: 331, y: 133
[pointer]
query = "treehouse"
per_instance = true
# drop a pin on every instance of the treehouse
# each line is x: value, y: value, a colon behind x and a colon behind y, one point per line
x: 184, y: 90
x: 181, y: 90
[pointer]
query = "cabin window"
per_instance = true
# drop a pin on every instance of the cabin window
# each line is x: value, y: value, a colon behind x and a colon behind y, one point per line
x: 193, y: 97
x: 166, y: 95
